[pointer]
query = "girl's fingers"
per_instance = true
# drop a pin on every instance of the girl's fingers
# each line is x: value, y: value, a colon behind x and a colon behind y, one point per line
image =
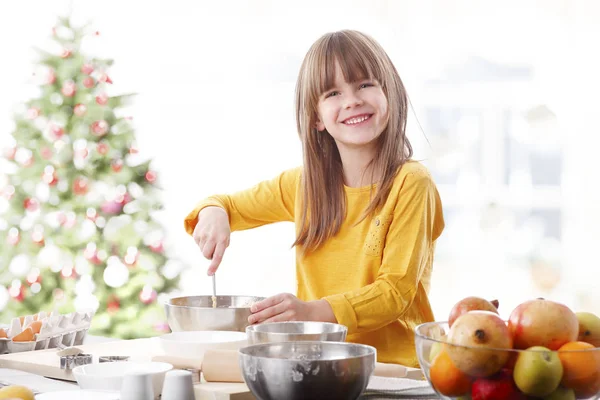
x: 208, y: 249
x: 267, y: 313
x: 217, y: 257
x: 266, y: 303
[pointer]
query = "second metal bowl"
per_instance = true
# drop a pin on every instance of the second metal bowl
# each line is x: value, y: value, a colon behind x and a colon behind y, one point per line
x: 295, y: 331
x: 307, y: 370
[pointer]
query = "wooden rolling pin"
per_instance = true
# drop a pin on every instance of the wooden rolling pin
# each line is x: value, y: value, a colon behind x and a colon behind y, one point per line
x: 224, y: 366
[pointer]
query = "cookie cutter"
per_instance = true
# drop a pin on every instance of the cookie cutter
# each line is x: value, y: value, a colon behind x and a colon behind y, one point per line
x: 72, y: 361
x: 195, y: 374
x: 103, y: 359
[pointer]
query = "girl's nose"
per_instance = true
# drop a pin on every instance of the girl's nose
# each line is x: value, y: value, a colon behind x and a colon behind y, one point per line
x: 352, y: 100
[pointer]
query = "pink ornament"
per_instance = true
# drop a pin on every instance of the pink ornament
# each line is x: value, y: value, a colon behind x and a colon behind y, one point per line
x: 46, y: 153
x: 51, y: 77
x: 33, y: 113
x: 117, y: 165
x: 31, y: 204
x: 80, y: 186
x: 69, y: 89
x: 157, y: 247
x: 100, y: 128
x: 66, y: 53
x: 10, y: 152
x: 102, y: 99
x: 111, y: 207
x: 88, y: 82
x: 57, y: 132
x: 151, y: 176
x: 102, y: 148
x: 87, y: 69
x: 80, y: 110
x: 104, y: 78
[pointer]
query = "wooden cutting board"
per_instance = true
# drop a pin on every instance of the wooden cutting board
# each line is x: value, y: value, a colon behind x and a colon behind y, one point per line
x: 47, y: 363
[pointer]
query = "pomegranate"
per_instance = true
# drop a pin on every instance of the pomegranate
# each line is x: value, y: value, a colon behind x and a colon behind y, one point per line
x: 471, y: 303
x: 476, y: 342
x: 498, y: 387
x: 544, y: 323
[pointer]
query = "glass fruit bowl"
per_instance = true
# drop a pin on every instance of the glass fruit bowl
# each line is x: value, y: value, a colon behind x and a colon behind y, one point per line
x: 478, y: 373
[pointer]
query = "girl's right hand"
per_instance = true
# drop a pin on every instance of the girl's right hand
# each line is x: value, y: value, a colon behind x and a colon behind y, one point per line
x: 212, y: 234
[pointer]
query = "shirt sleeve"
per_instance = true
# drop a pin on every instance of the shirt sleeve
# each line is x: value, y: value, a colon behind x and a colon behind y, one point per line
x: 267, y: 202
x: 417, y: 222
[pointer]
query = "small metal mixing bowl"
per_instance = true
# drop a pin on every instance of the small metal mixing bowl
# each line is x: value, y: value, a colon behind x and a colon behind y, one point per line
x: 307, y: 370
x: 196, y: 313
x: 295, y: 331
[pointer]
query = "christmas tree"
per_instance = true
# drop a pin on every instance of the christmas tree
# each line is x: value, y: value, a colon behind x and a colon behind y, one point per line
x: 78, y: 230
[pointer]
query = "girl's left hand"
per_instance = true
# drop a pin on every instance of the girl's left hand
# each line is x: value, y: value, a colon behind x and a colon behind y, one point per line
x: 287, y: 307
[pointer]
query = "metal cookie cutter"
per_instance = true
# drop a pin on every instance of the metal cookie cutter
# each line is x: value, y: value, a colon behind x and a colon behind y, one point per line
x: 70, y: 362
x: 195, y: 374
x: 103, y: 359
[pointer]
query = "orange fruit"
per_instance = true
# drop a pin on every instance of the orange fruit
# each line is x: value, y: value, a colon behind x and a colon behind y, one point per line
x: 3, y: 334
x: 22, y: 319
x: 35, y: 326
x: 446, y: 378
x: 25, y: 336
x: 581, y: 365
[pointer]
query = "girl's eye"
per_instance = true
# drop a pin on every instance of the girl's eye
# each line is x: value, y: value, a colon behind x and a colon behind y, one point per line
x: 365, y: 85
x: 331, y: 94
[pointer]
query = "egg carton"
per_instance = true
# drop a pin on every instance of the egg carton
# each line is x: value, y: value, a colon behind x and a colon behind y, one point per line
x: 57, y: 331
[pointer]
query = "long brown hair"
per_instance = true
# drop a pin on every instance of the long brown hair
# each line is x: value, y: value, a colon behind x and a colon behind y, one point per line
x: 359, y: 57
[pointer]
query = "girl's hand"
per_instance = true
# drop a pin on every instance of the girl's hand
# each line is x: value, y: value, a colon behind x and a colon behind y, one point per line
x: 212, y: 234
x: 287, y: 307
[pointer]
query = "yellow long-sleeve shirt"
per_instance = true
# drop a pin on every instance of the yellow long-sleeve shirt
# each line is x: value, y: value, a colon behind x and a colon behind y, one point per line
x: 374, y: 274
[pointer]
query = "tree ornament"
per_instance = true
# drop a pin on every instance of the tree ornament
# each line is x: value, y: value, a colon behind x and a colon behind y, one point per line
x: 88, y: 82
x: 87, y: 69
x: 33, y: 113
x: 104, y: 78
x: 68, y: 89
x: 14, y: 236
x: 65, y: 53
x: 99, y: 128
x: 56, y: 132
x: 102, y: 148
x: 50, y: 77
x: 31, y: 204
x: 113, y: 305
x: 80, y: 186
x: 147, y: 295
x: 80, y: 110
x: 49, y: 176
x: 46, y: 153
x: 10, y: 152
x: 37, y: 236
x: 102, y: 99
x: 157, y: 247
x: 117, y: 165
x: 17, y: 291
x: 151, y: 176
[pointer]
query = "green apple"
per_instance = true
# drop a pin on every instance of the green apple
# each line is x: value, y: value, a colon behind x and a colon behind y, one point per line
x: 589, y: 328
x: 436, y: 347
x: 538, y: 371
x: 561, y: 393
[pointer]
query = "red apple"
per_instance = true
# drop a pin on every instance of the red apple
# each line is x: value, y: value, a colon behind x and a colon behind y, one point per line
x: 542, y: 322
x: 498, y: 387
x: 471, y: 303
x: 476, y: 342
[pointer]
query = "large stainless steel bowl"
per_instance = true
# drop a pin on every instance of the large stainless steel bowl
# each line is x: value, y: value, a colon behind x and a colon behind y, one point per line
x: 196, y: 313
x: 295, y: 331
x: 307, y: 370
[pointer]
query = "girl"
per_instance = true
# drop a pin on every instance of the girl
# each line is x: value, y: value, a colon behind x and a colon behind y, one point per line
x: 366, y: 215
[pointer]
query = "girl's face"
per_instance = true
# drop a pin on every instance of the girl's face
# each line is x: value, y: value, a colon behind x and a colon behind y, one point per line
x: 354, y: 113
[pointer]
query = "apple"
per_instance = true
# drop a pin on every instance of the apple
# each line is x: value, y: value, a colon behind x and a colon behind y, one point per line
x: 589, y: 328
x: 498, y: 387
x: 561, y: 393
x: 544, y: 323
x: 538, y: 371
